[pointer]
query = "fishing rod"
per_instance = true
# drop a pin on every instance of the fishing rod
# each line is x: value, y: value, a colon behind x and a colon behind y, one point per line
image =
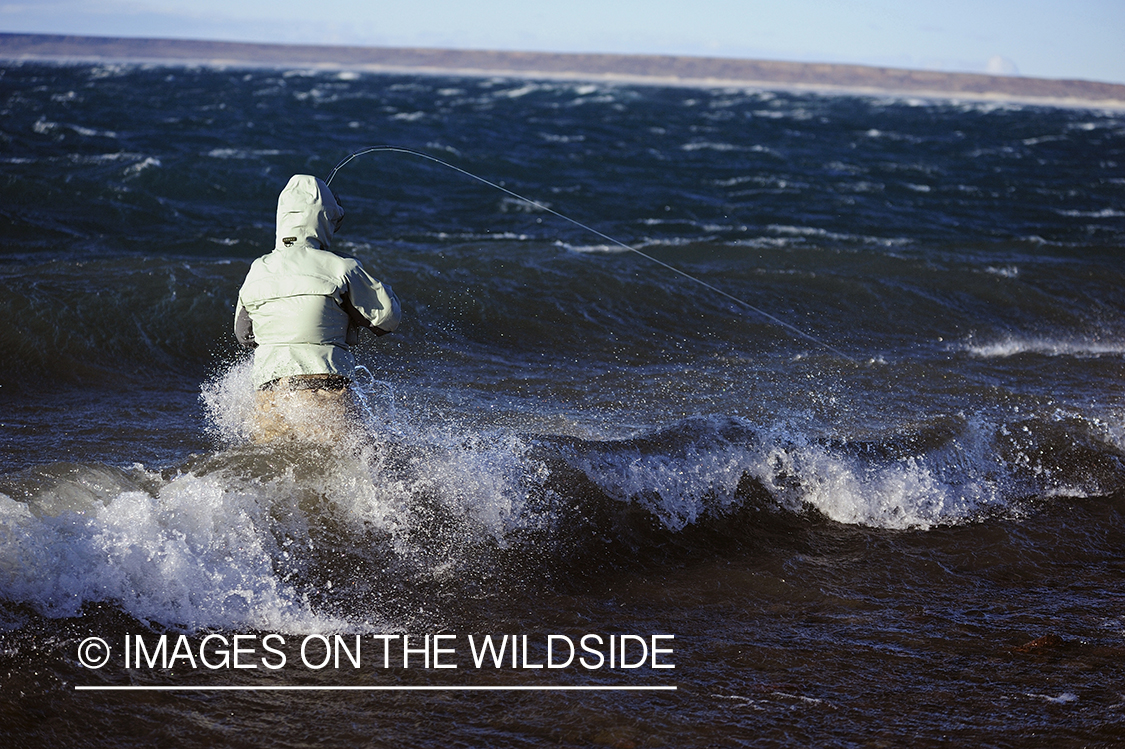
x: 540, y: 206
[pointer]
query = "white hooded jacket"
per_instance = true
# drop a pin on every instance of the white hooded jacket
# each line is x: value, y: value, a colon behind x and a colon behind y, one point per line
x: 301, y: 306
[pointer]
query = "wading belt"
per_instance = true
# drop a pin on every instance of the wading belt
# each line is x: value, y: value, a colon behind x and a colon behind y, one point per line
x: 308, y: 382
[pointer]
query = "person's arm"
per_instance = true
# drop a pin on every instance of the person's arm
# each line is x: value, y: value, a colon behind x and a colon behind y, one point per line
x: 370, y: 303
x: 244, y: 328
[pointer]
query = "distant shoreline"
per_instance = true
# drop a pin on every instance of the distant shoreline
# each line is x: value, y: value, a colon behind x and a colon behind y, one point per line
x: 637, y: 69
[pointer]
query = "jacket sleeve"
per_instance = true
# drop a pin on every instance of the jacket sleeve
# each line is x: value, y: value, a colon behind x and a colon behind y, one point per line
x: 370, y: 303
x: 244, y: 327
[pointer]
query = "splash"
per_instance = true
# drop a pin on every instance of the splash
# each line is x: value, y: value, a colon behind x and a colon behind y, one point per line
x: 287, y: 535
x: 949, y: 471
x: 376, y: 531
x: 189, y: 554
x: 682, y: 484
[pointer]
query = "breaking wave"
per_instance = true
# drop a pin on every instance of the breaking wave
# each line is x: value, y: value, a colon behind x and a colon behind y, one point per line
x: 390, y: 524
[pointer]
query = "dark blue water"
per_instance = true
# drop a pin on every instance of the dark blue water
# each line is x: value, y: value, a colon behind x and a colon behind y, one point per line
x: 889, y: 511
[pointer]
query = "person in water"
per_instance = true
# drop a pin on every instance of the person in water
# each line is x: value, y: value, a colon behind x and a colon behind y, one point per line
x: 300, y: 309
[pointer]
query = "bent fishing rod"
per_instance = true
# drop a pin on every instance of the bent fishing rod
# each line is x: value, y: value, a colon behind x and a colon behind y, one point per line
x: 606, y: 237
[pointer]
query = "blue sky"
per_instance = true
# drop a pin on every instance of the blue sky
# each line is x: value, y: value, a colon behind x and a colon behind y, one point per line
x: 1041, y: 38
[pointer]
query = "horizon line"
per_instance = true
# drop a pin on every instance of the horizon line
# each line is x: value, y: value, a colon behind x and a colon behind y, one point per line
x: 648, y: 69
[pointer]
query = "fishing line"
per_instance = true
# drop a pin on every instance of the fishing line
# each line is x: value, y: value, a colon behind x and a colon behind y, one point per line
x: 540, y: 206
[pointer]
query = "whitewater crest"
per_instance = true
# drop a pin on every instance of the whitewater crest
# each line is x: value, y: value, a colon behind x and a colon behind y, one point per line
x: 946, y: 471
x: 363, y: 533
x: 682, y: 482
x: 291, y: 535
x: 1044, y: 346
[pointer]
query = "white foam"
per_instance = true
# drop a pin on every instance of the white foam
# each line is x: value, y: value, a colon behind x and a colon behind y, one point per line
x: 677, y: 490
x: 593, y: 249
x: 908, y: 493
x: 914, y: 492
x: 228, y: 543
x: 555, y: 138
x: 241, y: 153
x: 195, y: 554
x: 1103, y: 213
x: 975, y: 468
x: 1015, y: 346
x: 711, y: 146
x: 1065, y: 698
x: 524, y: 90
x: 139, y: 167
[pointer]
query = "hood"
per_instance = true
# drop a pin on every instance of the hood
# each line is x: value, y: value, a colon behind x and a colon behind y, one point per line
x: 307, y: 213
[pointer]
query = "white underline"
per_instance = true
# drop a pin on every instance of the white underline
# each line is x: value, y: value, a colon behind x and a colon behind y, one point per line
x: 249, y: 688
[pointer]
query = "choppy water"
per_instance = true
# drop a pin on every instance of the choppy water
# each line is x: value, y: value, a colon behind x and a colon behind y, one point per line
x: 909, y: 536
